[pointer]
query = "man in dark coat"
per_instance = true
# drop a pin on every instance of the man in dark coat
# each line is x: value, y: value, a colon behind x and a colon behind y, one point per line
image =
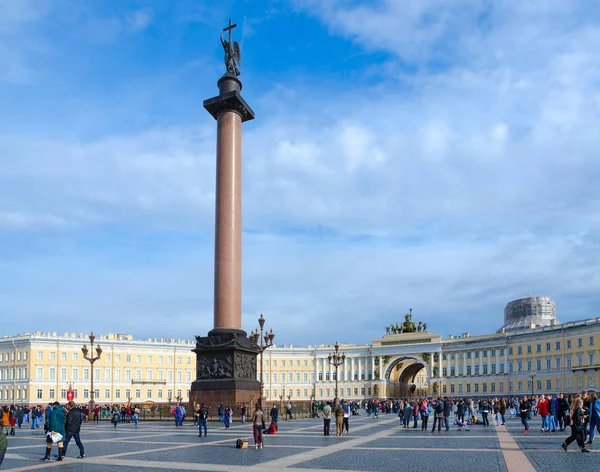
x: 72, y: 428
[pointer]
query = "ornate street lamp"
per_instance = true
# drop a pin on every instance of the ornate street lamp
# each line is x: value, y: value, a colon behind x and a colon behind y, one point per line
x: 336, y: 360
x: 91, y: 360
x: 532, y: 375
x: 261, y: 341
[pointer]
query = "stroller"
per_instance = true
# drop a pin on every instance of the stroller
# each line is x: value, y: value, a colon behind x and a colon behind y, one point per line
x: 462, y: 425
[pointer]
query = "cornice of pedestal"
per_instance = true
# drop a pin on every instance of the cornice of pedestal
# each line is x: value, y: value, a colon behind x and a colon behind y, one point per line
x: 229, y: 101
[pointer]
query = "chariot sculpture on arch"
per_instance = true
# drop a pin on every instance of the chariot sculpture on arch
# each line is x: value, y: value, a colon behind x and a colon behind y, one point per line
x: 233, y: 54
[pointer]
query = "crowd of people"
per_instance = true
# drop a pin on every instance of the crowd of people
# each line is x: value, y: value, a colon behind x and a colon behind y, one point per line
x: 578, y: 413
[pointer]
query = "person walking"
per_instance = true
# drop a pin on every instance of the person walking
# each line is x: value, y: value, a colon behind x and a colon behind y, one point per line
x: 258, y: 425
x: 326, y: 411
x: 72, y: 428
x: 594, y: 416
x: 56, y: 431
x: 525, y: 409
x: 202, y: 413
x: 577, y: 426
x: 543, y: 410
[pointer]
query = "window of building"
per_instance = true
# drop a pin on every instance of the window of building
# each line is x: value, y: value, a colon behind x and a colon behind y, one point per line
x: 493, y: 367
x: 520, y: 350
x: 444, y: 389
x: 138, y: 374
x: 128, y: 358
x: 51, y: 394
x: 106, y: 394
x: 468, y: 388
x: 493, y: 352
x: 485, y: 369
x: 460, y: 389
x: 179, y: 360
x: 579, y: 359
x: 476, y: 388
x: 510, y: 351
x: 548, y: 364
x: 528, y: 366
x: 501, y: 367
x: 468, y: 354
x: 557, y: 345
x: 451, y: 388
x: 548, y: 385
x: 476, y: 369
x: 511, y: 366
x: 580, y: 342
x: 520, y: 366
x: 127, y: 375
x: 444, y: 372
x: 63, y: 356
x: 557, y: 363
x: 591, y: 340
x: 39, y: 373
x: 519, y: 386
x: 510, y: 386
x: 305, y: 365
x: 529, y: 349
x: 118, y: 393
x: 468, y: 370
x: 149, y: 393
x: 107, y: 358
x: 538, y: 348
x: 568, y: 344
x: 39, y: 394
x: 127, y: 393
x: 53, y: 356
x: 569, y: 362
x: 493, y: 387
x: 590, y: 358
x: 452, y: 356
x: 476, y: 354
x: 160, y: 393
x: 118, y: 358
x: 138, y: 393
x: 538, y: 384
x: 485, y: 353
x: 52, y: 373
x: 40, y: 355
x: 452, y: 371
x: 538, y: 364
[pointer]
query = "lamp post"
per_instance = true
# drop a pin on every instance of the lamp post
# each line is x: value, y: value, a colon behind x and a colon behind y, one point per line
x: 257, y: 338
x: 92, y: 359
x: 336, y: 360
x: 532, y: 375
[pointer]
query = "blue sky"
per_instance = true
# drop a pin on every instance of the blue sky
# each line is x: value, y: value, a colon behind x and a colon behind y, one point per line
x: 434, y: 155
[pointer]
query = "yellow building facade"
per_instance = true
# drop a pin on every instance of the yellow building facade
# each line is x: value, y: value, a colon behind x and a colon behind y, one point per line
x: 40, y: 367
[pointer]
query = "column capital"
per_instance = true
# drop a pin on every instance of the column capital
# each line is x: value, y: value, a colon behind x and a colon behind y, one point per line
x: 229, y: 101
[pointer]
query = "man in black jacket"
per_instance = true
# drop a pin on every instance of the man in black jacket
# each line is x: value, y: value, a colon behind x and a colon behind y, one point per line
x: 563, y: 410
x: 72, y: 427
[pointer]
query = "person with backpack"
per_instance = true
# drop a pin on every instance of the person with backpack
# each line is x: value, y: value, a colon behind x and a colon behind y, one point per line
x: 438, y: 414
x: 202, y: 413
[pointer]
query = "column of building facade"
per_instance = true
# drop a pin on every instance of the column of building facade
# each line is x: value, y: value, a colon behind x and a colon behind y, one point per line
x: 497, y: 361
x: 456, y: 362
x: 431, y: 354
x: 380, y: 368
x: 372, y: 367
x: 481, y: 364
x: 330, y: 371
x: 472, y: 362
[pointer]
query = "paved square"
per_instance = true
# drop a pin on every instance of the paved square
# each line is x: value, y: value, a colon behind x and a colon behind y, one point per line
x: 372, y: 445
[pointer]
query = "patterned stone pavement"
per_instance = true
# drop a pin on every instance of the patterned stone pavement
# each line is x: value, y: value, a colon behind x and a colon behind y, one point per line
x: 372, y: 445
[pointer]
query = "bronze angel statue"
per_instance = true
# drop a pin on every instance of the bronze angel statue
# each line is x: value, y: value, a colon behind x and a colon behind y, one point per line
x: 233, y: 54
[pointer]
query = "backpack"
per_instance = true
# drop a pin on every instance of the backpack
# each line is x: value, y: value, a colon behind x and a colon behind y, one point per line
x: 439, y: 408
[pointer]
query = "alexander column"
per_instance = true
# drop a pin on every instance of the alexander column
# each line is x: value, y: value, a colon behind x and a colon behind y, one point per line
x: 226, y: 358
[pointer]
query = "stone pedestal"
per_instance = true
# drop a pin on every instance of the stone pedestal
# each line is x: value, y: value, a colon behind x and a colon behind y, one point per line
x: 225, y: 370
x: 226, y: 359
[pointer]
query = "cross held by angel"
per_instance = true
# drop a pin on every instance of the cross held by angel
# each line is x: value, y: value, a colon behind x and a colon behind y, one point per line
x: 233, y: 54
